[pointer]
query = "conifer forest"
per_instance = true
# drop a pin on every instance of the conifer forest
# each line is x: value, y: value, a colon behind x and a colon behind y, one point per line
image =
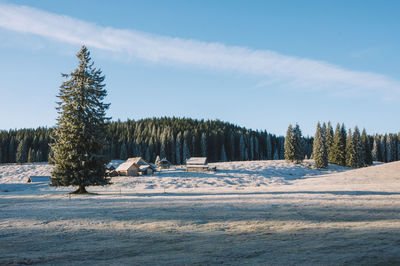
x: 180, y: 138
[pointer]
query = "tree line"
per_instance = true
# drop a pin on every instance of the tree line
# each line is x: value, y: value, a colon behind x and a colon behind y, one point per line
x: 341, y: 147
x: 173, y: 138
x: 180, y: 138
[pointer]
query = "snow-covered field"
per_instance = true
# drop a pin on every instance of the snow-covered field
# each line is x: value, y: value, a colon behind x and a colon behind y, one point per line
x: 261, y: 212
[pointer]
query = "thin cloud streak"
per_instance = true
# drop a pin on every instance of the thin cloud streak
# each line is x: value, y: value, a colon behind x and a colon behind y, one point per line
x: 289, y: 71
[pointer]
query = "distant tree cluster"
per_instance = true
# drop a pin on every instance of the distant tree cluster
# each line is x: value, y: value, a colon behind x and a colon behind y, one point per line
x: 24, y: 145
x: 178, y: 139
x: 352, y: 148
x: 173, y: 138
x: 385, y: 148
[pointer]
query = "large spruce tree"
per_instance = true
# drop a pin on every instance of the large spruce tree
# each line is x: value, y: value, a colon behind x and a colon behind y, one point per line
x: 293, y: 146
x: 289, y: 145
x: 81, y: 127
x: 338, y: 150
x: 329, y: 142
x: 319, y: 148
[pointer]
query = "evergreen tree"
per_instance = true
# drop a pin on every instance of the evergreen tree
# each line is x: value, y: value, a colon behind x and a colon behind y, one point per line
x: 223, y: 154
x: 351, y: 151
x: 383, y: 149
x: 163, y: 148
x: 31, y: 156
x: 11, y: 150
x: 290, y: 152
x: 185, y: 149
x: 269, y: 147
x: 123, y: 155
x: 319, y: 148
x: 79, y: 137
x: 178, y: 149
x: 242, y: 148
x: 22, y: 152
x: 338, y: 153
x: 375, y: 149
x: 298, y: 144
x: 39, y: 157
x: 358, y: 146
x: 367, y: 155
x: 329, y: 142
x: 276, y: 155
x: 232, y: 147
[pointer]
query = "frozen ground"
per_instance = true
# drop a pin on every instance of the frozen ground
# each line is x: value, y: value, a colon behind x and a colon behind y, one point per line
x: 265, y: 212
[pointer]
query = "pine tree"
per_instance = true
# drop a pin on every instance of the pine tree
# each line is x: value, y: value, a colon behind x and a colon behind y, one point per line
x: 358, y: 146
x: 367, y: 156
x: 329, y: 142
x: 375, y: 149
x: 163, y: 148
x: 383, y: 149
x: 123, y: 155
x: 178, y: 151
x: 11, y: 150
x: 337, y: 154
x: 298, y: 144
x: 232, y: 147
x: 290, y: 152
x: 351, y: 151
x: 269, y: 147
x: 223, y: 154
x: 185, y: 149
x: 39, y: 157
x: 319, y: 148
x: 31, y: 156
x: 22, y: 152
x: 242, y: 148
x: 81, y: 127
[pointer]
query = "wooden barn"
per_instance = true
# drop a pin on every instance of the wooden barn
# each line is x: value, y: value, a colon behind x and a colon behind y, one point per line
x: 134, y: 167
x: 197, y: 164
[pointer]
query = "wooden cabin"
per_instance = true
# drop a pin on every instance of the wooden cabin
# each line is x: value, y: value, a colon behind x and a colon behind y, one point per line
x: 197, y: 164
x: 134, y: 167
x: 146, y: 170
x: 128, y: 168
x: 163, y: 163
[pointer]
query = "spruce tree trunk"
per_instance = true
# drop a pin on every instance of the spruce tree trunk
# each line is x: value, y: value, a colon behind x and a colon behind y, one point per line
x: 80, y: 190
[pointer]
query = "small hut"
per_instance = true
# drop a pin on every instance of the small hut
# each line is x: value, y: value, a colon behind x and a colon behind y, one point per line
x: 164, y: 164
x: 39, y: 179
x: 146, y: 170
x: 197, y: 164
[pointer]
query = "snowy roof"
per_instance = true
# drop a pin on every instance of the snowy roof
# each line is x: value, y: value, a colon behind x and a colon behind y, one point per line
x: 197, y: 161
x: 165, y: 161
x: 144, y: 167
x: 138, y: 161
x: 125, y: 166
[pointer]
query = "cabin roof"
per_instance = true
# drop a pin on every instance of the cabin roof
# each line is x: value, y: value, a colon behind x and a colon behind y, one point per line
x: 136, y: 161
x: 197, y: 161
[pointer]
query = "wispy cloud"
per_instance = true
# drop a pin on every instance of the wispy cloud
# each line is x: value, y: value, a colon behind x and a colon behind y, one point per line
x: 294, y: 72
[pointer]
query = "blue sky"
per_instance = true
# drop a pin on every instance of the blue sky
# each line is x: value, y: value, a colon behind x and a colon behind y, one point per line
x: 259, y: 64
